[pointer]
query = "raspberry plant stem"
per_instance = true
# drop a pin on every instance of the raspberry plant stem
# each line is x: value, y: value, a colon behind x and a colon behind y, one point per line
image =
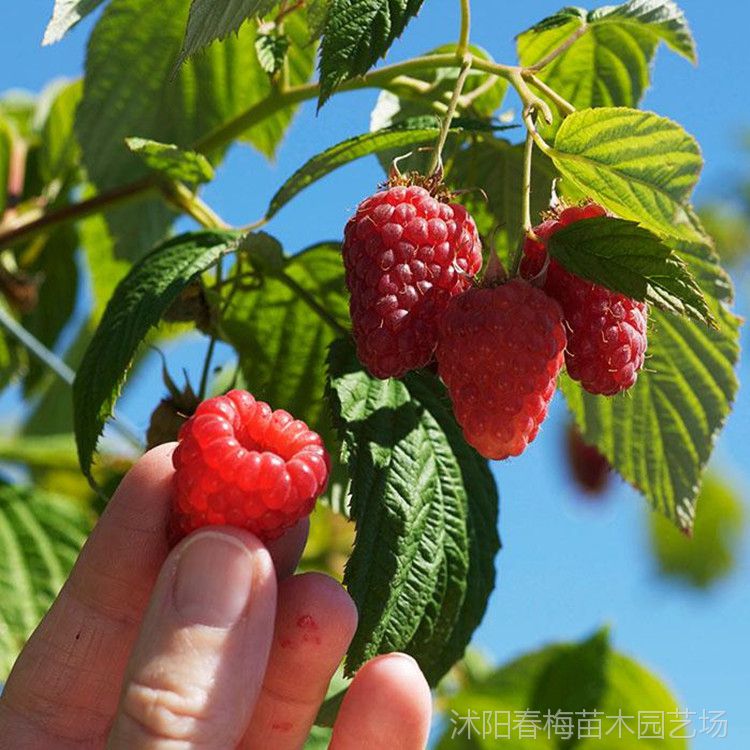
x: 528, y: 151
x: 437, y: 156
x: 562, y: 104
x: 60, y: 368
x: 463, y: 39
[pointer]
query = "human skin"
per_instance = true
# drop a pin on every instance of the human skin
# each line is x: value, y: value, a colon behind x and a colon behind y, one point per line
x: 214, y: 644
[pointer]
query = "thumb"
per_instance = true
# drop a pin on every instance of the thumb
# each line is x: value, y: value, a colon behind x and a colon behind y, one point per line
x: 198, y: 664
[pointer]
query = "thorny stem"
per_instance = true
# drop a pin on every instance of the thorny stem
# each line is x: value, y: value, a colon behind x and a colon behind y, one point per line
x: 437, y: 156
x: 59, y: 367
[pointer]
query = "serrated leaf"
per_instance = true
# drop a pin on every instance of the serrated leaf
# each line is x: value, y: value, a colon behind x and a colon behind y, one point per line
x: 413, y: 132
x: 625, y: 257
x: 588, y: 683
x: 609, y: 65
x: 640, y: 166
x: 172, y: 161
x: 66, y: 14
x: 129, y: 91
x: 271, y: 48
x: 356, y: 34
x: 659, y: 436
x: 710, y: 554
x: 210, y: 20
x: 40, y: 537
x: 280, y: 340
x: 490, y: 171
x: 425, y: 508
x: 137, y: 305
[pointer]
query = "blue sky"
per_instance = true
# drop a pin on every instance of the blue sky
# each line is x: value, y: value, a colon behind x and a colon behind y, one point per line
x: 566, y: 567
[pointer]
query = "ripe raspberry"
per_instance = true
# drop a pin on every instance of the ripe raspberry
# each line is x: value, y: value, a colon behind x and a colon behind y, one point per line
x: 240, y: 463
x: 606, y: 330
x: 406, y: 254
x: 590, y: 469
x: 499, y: 353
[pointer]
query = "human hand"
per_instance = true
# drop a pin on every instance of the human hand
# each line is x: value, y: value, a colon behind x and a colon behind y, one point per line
x: 212, y: 645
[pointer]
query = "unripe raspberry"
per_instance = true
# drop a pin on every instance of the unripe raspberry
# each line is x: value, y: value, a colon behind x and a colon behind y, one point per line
x: 406, y: 254
x: 239, y: 463
x: 606, y: 330
x: 590, y: 469
x: 499, y: 353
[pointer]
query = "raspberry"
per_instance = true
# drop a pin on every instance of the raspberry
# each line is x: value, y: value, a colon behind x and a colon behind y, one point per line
x: 606, y: 330
x: 241, y: 464
x: 406, y: 254
x: 590, y: 469
x: 499, y: 353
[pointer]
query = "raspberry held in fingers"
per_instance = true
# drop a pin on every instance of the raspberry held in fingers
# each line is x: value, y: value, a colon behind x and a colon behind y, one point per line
x: 239, y: 463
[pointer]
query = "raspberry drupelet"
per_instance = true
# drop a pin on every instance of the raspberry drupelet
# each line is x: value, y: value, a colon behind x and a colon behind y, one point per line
x: 406, y: 254
x: 239, y: 463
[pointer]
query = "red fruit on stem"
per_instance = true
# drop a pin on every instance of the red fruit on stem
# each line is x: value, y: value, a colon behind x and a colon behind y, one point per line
x: 406, y: 253
x: 239, y: 463
x: 606, y: 330
x: 590, y: 469
x: 499, y: 353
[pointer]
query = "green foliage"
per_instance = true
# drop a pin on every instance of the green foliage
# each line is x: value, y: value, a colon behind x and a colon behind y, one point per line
x: 710, y: 554
x: 59, y: 153
x: 279, y: 337
x: 172, y: 161
x: 646, y: 177
x: 129, y: 91
x: 40, y: 537
x: 412, y: 132
x: 629, y: 259
x: 6, y: 147
x: 136, y: 306
x: 570, y: 678
x: 609, y: 65
x: 271, y: 47
x: 209, y: 21
x: 660, y: 434
x: 425, y: 508
x: 66, y: 14
x: 356, y: 33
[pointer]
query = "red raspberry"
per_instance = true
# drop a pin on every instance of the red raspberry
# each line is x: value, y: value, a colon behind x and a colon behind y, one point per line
x: 406, y: 254
x: 606, y: 330
x: 499, y: 352
x: 241, y: 464
x: 590, y: 469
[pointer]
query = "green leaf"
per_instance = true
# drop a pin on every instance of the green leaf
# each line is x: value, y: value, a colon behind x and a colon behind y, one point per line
x: 41, y: 451
x: 588, y: 683
x: 356, y: 34
x: 129, y: 91
x: 40, y: 537
x: 640, y: 166
x: 66, y: 14
x: 490, y: 171
x: 137, y: 305
x: 280, y: 340
x: 59, y: 152
x: 609, y: 64
x: 210, y: 20
x: 6, y: 147
x: 172, y: 161
x: 659, y: 436
x: 271, y: 48
x: 629, y: 259
x: 412, y: 132
x: 710, y: 554
x: 425, y: 508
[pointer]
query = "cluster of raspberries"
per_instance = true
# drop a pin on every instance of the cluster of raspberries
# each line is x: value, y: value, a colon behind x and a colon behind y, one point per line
x: 411, y: 256
x: 410, y: 260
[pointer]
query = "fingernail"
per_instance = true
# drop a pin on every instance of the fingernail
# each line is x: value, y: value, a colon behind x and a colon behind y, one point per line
x: 213, y: 581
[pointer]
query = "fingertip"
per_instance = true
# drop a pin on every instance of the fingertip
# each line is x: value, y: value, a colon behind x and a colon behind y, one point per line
x: 286, y: 551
